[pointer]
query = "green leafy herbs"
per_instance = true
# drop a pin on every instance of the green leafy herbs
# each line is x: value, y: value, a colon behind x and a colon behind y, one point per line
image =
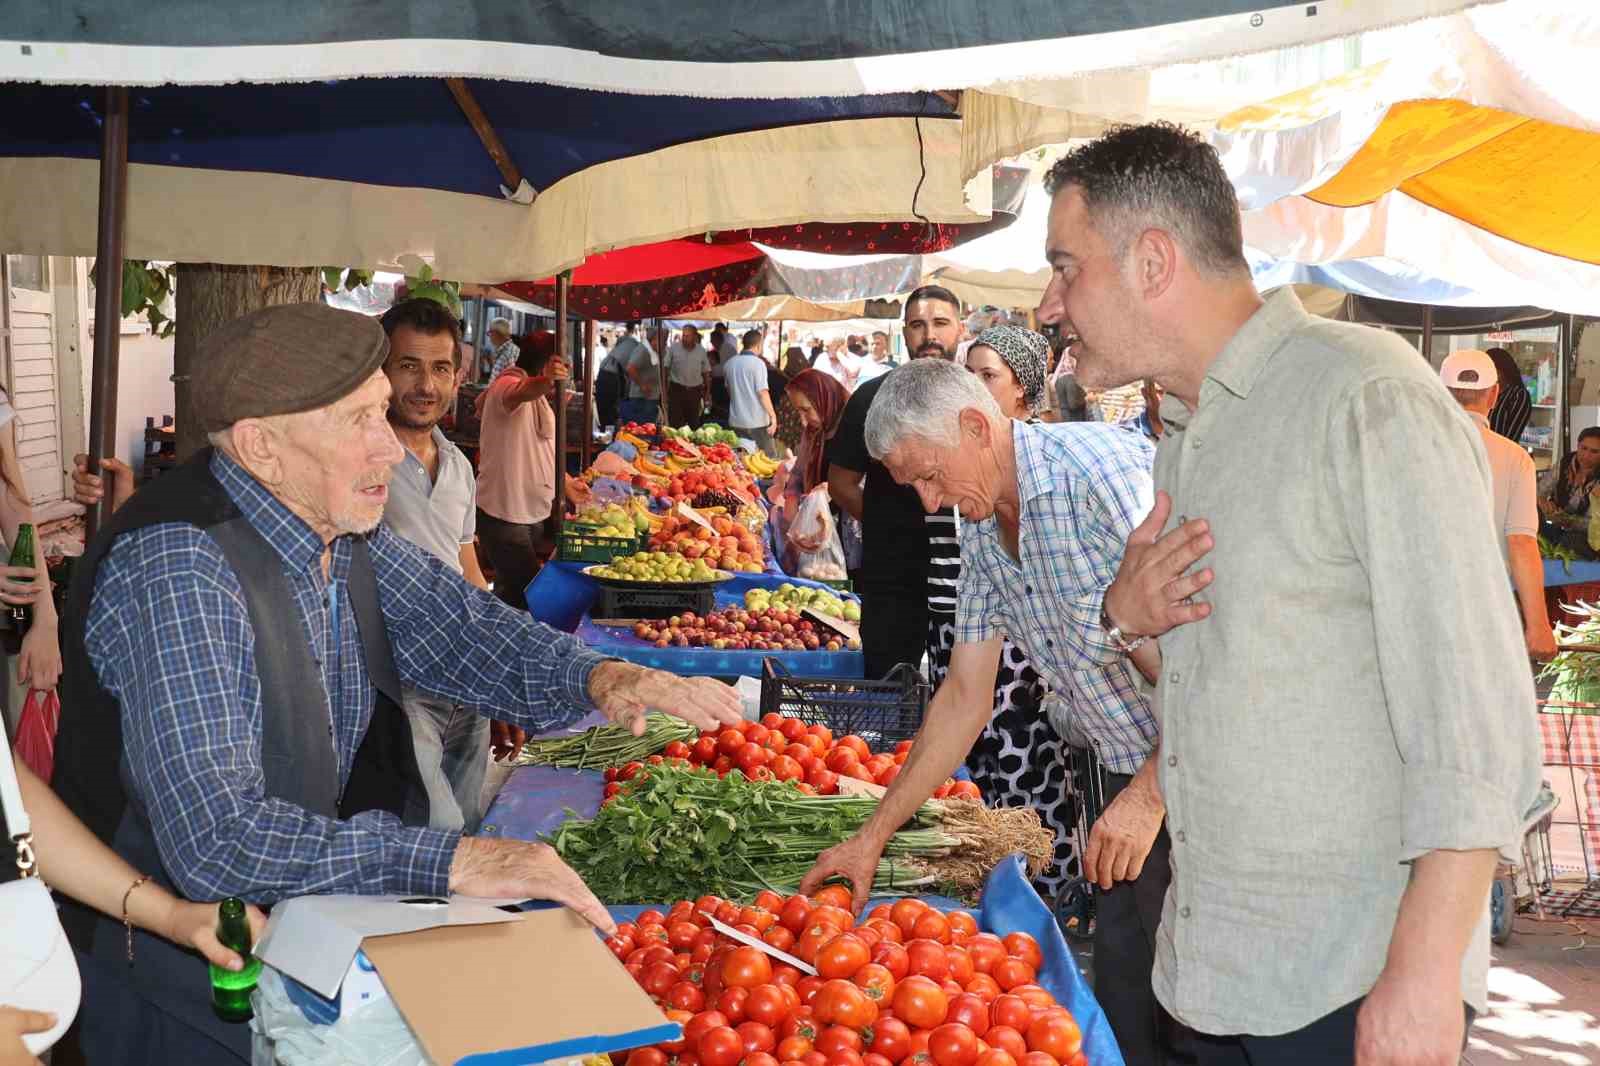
x: 1551, y: 550
x: 607, y: 745
x: 676, y: 833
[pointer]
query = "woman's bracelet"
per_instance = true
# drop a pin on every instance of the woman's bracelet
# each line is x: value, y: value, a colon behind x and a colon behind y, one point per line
x: 126, y: 921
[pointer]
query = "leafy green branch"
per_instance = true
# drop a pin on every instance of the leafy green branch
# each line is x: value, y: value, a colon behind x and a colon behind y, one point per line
x: 148, y: 286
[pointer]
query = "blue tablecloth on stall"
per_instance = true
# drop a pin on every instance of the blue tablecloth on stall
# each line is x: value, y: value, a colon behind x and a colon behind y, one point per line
x: 560, y: 596
x: 1579, y: 572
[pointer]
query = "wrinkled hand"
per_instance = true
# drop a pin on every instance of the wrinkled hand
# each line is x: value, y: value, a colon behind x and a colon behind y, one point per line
x: 1121, y: 838
x: 14, y: 1021
x: 577, y: 490
x: 505, y: 740
x: 516, y: 869
x: 1411, y: 1022
x: 88, y: 488
x: 1541, y: 642
x: 1150, y: 595
x: 195, y: 925
x: 624, y: 693
x: 856, y: 860
x: 39, y: 663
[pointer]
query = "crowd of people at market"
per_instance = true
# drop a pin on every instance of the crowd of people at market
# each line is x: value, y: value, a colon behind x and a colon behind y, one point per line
x: 1297, y: 667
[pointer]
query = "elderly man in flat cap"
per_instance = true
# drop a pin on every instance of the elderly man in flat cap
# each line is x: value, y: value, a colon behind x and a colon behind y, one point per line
x: 238, y: 638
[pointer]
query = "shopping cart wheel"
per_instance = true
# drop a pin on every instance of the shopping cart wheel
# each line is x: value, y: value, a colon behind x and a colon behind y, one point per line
x: 1075, y: 910
x: 1502, y: 908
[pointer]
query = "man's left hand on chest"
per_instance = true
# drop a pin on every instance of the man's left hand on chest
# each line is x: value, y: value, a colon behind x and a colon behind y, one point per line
x: 624, y: 693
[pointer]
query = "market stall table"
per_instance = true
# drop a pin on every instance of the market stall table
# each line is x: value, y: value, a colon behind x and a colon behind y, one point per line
x: 561, y: 596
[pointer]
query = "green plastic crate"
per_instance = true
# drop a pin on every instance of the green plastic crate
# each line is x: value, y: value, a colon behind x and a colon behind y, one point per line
x: 584, y: 544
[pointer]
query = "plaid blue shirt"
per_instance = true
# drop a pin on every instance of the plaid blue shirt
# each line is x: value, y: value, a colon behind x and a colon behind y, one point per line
x: 1084, y: 486
x: 169, y: 636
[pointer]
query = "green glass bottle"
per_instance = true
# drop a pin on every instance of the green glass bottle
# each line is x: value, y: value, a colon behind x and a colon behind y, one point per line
x: 18, y: 618
x: 230, y: 990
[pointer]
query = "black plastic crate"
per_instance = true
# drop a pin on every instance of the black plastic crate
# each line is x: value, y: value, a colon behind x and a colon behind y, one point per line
x: 879, y: 712
x: 617, y: 602
x: 582, y: 544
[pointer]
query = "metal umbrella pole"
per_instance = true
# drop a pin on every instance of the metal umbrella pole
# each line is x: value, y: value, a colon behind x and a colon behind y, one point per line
x: 564, y: 353
x: 588, y: 392
x: 108, y: 294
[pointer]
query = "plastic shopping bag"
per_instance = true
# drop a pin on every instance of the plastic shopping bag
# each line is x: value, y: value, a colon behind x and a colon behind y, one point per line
x: 820, y: 556
x: 36, y: 732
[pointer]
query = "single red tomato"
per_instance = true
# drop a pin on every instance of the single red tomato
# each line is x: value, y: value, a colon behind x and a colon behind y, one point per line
x: 891, y: 1038
x: 681, y: 935
x: 792, y: 1047
x: 841, y: 1003
x: 846, y: 1057
x: 878, y: 983
x: 838, y: 1038
x: 780, y: 938
x: 920, y: 1002
x: 842, y: 761
x: 1025, y: 947
x: 731, y: 1002
x: 985, y: 949
x: 1011, y: 1012
x: 953, y: 1044
x: 834, y: 895
x: 756, y: 1037
x: 704, y: 752
x: 825, y: 781
x: 659, y: 977
x: 647, y: 1056
x: 1007, y: 1039
x: 729, y: 741
x: 720, y: 1047
x: 1057, y: 1035
x: 905, y: 913
x: 821, y: 732
x: 620, y: 946
x: 794, y: 913
x: 1037, y: 1058
x: 868, y: 935
x: 685, y: 995
x: 893, y: 958
x: 759, y: 1058
x: 701, y: 1024
x: 759, y: 917
x: 857, y: 745
x: 931, y: 925
x: 996, y: 1057
x: 969, y: 1011
x: 983, y: 986
x: 842, y: 956
x: 1034, y: 996
x: 887, y: 930
x: 1009, y: 973
x: 807, y: 987
x: 785, y: 975
x: 927, y: 958
x: 766, y: 1004
x: 746, y: 967
x: 792, y: 729
x: 802, y: 1023
x: 814, y: 1058
x: 960, y: 962
x: 962, y: 924
x: 835, y: 914
x: 872, y: 1058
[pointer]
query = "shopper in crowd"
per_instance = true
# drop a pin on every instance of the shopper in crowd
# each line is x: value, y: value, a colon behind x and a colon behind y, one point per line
x: 750, y: 411
x: 237, y: 641
x: 1344, y: 691
x: 1566, y: 488
x: 642, y: 403
x: 1511, y: 412
x: 1020, y: 759
x: 1472, y: 379
x: 1150, y: 417
x: 517, y: 467
x: 1045, y: 511
x: 610, y: 382
x: 37, y: 664
x: 910, y: 560
x: 794, y: 364
x: 504, y: 347
x: 688, y: 378
x: 838, y: 363
x: 819, y: 403
x: 723, y: 349
x: 875, y: 363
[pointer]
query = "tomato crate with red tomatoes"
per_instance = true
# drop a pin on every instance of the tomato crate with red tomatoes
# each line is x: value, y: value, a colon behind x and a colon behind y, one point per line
x: 883, y: 711
x: 910, y: 982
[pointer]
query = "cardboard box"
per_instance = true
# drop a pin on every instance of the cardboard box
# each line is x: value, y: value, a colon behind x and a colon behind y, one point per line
x: 476, y: 984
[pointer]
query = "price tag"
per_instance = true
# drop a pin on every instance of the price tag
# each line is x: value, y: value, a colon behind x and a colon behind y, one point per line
x: 692, y: 515
x: 760, y: 945
x: 838, y: 625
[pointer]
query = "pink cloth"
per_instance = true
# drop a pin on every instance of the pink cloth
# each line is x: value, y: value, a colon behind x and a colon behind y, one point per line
x: 516, y: 455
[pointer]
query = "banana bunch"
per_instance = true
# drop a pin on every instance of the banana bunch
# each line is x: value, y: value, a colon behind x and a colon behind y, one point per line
x: 678, y: 464
x: 647, y: 465
x: 638, y: 442
x: 760, y: 464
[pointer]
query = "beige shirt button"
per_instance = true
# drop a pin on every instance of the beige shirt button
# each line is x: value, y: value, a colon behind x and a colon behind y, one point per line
x: 1175, y: 677
x: 1184, y: 912
x: 1172, y: 760
x: 1181, y: 837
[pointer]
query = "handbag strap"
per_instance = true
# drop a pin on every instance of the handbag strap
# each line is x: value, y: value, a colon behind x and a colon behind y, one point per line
x: 17, y: 823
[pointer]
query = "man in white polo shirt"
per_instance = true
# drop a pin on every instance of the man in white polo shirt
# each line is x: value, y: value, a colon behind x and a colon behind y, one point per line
x: 1472, y: 379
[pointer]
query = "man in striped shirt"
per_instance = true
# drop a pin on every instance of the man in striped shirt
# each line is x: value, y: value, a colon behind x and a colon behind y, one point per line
x: 1045, y: 512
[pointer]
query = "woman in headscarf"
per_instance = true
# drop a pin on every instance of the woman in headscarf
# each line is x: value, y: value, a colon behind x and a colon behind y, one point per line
x: 818, y: 400
x: 1019, y: 760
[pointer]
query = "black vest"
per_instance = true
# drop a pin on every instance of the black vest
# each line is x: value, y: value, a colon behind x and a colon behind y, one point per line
x: 297, y: 752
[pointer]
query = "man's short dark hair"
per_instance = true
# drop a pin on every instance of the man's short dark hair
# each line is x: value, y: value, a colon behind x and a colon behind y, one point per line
x: 880, y: 333
x: 1157, y: 175
x: 751, y: 338
x: 933, y: 292
x: 535, y: 351
x: 427, y: 317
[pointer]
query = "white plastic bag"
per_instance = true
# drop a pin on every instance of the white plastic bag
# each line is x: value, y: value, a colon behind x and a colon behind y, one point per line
x: 819, y: 554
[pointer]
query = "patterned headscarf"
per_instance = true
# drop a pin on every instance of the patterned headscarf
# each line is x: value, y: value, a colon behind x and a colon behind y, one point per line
x: 1027, y: 354
x: 827, y: 397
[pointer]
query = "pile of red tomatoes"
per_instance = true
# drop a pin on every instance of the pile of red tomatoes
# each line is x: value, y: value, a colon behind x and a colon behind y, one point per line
x: 786, y: 749
x: 908, y: 986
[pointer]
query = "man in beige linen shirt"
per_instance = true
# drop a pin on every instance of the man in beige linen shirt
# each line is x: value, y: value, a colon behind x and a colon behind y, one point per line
x: 1346, y: 706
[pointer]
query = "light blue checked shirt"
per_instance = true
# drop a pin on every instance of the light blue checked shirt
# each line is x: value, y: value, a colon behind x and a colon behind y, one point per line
x: 1084, y: 486
x: 504, y: 357
x: 169, y: 636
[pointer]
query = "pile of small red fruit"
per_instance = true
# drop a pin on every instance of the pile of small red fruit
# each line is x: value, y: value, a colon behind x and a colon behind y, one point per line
x: 782, y: 748
x: 738, y: 629
x: 909, y: 986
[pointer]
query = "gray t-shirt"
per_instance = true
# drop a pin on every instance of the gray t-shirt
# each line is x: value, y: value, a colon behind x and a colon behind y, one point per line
x: 746, y: 374
x: 437, y: 516
x: 632, y: 352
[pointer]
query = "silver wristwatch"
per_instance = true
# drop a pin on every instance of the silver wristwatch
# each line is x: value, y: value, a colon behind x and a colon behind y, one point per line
x: 1115, y: 635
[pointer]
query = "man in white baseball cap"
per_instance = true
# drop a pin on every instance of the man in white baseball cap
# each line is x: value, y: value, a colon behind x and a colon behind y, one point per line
x: 1472, y: 379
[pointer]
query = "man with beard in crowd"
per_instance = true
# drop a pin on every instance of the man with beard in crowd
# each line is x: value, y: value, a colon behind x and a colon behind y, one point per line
x: 911, y: 561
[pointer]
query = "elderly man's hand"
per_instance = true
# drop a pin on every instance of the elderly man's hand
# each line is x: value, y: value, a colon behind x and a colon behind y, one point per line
x: 505, y: 740
x: 88, y: 488
x: 516, y: 869
x: 1121, y: 838
x: 624, y: 692
x: 1152, y: 590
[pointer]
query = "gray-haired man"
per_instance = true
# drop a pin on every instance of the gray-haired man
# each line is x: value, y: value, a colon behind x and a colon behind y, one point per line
x: 505, y: 349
